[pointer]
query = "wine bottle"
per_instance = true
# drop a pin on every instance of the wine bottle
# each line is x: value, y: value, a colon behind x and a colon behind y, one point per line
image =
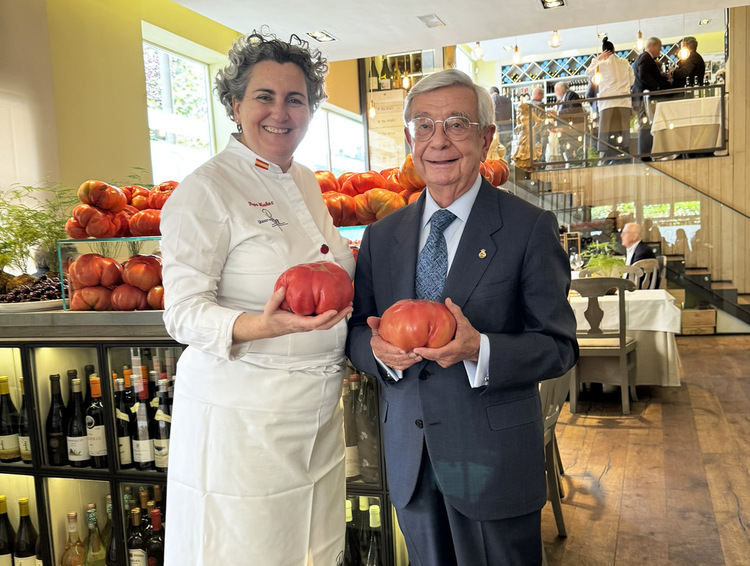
x: 363, y: 524
x: 112, y: 558
x: 78, y: 447
x: 159, y: 500
x: 373, y: 546
x: 7, y: 534
x: 155, y: 543
x: 374, y: 83
x: 74, y: 551
x: 72, y: 374
x: 38, y: 551
x: 10, y: 449
x: 145, y: 518
x: 56, y: 425
x: 24, y: 545
x: 143, y: 445
x: 88, y: 372
x: 95, y: 549
x: 161, y: 427
x: 348, y: 394
x: 24, y: 428
x: 128, y: 393
x: 148, y: 529
x: 106, y: 530
x: 385, y: 75
x: 136, y: 543
x: 122, y: 425
x: 396, y: 79
x: 97, y: 443
x: 352, y: 552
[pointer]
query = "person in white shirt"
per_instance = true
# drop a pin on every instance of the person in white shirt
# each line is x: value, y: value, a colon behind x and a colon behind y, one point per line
x: 256, y: 466
x: 631, y: 240
x: 614, y: 115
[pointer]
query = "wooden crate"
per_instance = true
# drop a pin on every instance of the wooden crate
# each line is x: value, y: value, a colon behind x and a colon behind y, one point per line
x: 696, y: 330
x: 678, y: 294
x: 698, y: 321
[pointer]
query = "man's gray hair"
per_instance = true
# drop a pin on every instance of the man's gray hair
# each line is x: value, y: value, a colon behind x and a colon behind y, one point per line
x: 453, y: 77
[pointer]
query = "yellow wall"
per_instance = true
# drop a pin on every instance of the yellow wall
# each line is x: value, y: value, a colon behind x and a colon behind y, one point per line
x: 99, y: 82
x: 342, y: 85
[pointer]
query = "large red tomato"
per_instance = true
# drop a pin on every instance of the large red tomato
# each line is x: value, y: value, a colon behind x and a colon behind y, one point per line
x: 341, y: 207
x: 91, y: 270
x: 91, y: 299
x: 376, y: 204
x: 138, y: 196
x: 408, y: 176
x: 102, y: 195
x: 415, y: 323
x: 128, y: 298
x: 96, y: 222
x: 362, y: 182
x: 145, y: 222
x: 327, y: 181
x: 142, y: 271
x: 160, y: 193
x: 314, y: 288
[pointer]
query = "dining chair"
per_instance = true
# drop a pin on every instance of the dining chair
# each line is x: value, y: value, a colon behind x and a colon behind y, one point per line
x: 662, y: 284
x: 650, y: 278
x: 553, y: 393
x: 605, y: 343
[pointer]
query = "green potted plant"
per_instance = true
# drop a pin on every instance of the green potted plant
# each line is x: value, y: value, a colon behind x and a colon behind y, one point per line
x: 600, y: 258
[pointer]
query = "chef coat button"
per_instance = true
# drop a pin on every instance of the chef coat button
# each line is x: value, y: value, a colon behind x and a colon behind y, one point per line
x: 419, y: 423
x: 324, y: 249
x: 424, y: 374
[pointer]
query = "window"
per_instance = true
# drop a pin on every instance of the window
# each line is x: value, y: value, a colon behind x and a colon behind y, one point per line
x: 179, y: 118
x: 334, y: 142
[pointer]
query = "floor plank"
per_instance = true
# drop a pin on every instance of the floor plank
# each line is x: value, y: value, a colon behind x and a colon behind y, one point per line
x: 668, y: 484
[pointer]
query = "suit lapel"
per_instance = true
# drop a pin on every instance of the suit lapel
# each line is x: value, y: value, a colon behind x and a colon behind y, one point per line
x: 404, y: 252
x: 476, y: 249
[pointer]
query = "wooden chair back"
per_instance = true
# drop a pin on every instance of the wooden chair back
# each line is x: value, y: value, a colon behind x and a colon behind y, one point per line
x: 650, y: 278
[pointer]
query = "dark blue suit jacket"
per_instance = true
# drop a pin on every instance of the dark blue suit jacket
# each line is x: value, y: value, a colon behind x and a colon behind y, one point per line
x: 510, y: 276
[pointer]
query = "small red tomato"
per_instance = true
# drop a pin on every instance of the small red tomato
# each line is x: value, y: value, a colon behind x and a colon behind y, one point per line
x: 142, y: 271
x: 91, y: 299
x: 416, y: 323
x: 160, y: 193
x: 155, y: 297
x: 314, y: 288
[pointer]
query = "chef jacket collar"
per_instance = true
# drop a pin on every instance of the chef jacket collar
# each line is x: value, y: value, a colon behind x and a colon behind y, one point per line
x: 260, y: 162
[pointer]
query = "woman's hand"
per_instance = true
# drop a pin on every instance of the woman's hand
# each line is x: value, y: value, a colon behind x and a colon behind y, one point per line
x: 277, y: 322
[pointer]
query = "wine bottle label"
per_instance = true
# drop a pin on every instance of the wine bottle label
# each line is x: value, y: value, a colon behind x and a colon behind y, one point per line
x: 9, y: 447
x: 39, y: 562
x: 6, y: 560
x: 137, y: 557
x: 161, y: 452
x: 385, y: 84
x: 126, y: 453
x: 134, y: 408
x: 351, y: 462
x: 162, y: 416
x: 24, y: 443
x: 154, y: 402
x: 28, y: 561
x: 122, y: 416
x: 96, y: 442
x: 143, y: 450
x: 78, y: 448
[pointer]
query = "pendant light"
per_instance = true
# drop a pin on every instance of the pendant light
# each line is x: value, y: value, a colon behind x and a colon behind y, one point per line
x: 597, y: 78
x: 555, y: 40
x: 405, y: 81
x: 371, y: 111
x: 477, y: 52
x: 683, y: 53
x: 516, y: 59
x: 639, y: 39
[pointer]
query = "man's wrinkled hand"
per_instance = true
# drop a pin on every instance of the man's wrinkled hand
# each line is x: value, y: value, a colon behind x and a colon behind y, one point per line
x: 463, y: 347
x: 386, y: 352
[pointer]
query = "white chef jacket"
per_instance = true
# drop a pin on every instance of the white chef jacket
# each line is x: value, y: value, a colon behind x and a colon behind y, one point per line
x: 617, y: 78
x: 229, y: 230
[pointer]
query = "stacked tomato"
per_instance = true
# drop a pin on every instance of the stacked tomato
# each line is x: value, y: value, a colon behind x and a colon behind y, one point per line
x: 117, y: 212
x: 101, y: 283
x: 362, y: 198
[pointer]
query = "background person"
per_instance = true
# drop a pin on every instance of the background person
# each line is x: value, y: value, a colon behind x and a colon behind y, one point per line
x: 647, y: 78
x: 614, y: 114
x: 256, y: 471
x: 462, y: 428
x: 503, y: 118
x: 636, y: 250
x: 691, y: 71
x: 572, y: 120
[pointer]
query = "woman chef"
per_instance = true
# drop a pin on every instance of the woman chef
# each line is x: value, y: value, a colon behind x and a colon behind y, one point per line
x: 256, y: 471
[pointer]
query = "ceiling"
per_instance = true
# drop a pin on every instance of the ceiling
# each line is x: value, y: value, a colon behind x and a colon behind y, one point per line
x: 392, y: 26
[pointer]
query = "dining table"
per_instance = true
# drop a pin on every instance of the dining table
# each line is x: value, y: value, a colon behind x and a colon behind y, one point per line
x: 687, y: 125
x: 653, y: 319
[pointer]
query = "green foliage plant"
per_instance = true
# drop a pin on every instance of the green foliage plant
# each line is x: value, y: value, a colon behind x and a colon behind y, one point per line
x: 600, y: 258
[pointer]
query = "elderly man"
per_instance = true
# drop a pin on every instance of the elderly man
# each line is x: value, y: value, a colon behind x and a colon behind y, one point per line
x: 637, y: 250
x: 537, y: 96
x: 462, y: 428
x: 648, y: 78
x: 691, y: 71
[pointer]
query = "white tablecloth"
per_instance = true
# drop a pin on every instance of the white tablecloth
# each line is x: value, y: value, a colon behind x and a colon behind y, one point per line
x: 653, y: 319
x: 687, y: 125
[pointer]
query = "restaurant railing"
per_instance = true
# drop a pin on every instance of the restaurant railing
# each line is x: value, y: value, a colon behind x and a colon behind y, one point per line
x: 660, y: 125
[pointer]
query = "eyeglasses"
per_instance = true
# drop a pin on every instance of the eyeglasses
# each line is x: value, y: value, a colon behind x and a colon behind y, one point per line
x: 456, y: 128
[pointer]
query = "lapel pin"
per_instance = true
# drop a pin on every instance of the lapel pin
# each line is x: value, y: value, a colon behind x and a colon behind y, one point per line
x: 482, y: 254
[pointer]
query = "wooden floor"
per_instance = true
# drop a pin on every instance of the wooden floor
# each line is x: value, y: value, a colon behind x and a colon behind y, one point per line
x: 668, y: 484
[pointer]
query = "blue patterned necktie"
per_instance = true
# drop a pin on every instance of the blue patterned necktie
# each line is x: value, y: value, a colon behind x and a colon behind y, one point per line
x: 432, y: 263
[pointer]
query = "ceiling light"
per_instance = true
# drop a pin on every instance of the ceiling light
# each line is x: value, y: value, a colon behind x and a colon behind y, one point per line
x: 432, y: 21
x: 477, y: 52
x: 371, y: 111
x: 639, y: 39
x: 321, y: 36
x: 683, y: 53
x: 555, y: 40
x: 516, y: 54
x: 704, y: 22
x: 597, y: 78
x: 548, y: 4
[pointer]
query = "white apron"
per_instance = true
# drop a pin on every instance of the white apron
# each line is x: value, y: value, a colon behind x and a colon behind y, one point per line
x: 256, y: 464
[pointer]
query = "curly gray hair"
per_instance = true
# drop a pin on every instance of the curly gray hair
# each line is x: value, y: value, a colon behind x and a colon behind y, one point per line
x: 247, y: 51
x: 453, y: 77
